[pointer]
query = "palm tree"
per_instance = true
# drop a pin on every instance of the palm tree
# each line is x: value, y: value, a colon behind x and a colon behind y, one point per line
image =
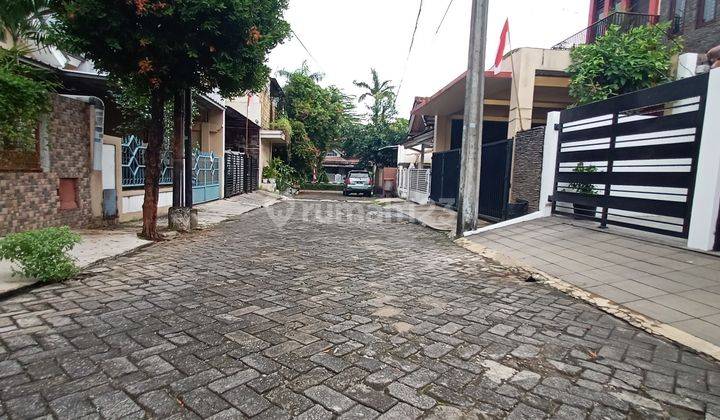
x: 24, y: 19
x: 382, y: 95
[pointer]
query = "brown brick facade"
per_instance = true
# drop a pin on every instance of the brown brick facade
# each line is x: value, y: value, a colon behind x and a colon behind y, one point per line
x: 527, y: 166
x: 697, y: 37
x: 30, y: 200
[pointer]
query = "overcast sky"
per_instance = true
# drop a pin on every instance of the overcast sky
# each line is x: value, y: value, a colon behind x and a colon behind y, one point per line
x: 347, y: 37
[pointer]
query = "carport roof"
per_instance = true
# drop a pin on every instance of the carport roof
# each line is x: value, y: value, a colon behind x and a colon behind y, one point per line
x: 451, y: 99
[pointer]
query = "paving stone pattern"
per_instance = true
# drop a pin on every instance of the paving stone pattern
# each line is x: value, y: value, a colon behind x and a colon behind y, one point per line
x: 329, y: 318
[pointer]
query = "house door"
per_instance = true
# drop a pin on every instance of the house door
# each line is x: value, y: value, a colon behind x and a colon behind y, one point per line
x: 109, y: 182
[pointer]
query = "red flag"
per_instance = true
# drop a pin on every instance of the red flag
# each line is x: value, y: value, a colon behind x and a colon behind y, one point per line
x: 501, y: 47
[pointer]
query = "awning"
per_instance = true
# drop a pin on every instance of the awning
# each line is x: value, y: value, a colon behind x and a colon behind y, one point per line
x: 450, y: 100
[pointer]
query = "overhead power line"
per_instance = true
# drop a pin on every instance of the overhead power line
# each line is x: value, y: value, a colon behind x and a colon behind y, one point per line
x: 444, y: 16
x: 307, y: 50
x: 407, y: 59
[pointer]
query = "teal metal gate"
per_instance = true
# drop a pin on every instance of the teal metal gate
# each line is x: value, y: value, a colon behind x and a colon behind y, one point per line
x: 206, y: 177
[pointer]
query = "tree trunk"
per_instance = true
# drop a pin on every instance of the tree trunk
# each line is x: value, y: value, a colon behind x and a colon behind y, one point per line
x: 152, y: 165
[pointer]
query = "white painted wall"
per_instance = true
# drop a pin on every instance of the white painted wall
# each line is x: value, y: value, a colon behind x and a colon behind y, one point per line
x: 547, y: 179
x: 706, y: 203
x: 408, y: 156
x: 133, y: 203
x: 108, y: 166
x: 252, y: 110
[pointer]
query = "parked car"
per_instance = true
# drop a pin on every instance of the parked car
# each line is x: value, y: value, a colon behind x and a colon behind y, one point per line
x: 358, y: 182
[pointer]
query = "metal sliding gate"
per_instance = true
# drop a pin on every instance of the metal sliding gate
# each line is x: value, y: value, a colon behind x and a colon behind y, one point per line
x: 495, y: 169
x: 631, y: 160
x: 252, y: 180
x: 206, y: 177
x: 445, y: 177
x: 234, y: 173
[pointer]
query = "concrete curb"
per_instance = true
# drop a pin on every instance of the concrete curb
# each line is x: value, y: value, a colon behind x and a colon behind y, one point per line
x: 633, y: 318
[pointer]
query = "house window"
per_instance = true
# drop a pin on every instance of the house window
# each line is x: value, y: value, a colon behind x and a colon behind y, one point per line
x: 677, y: 15
x: 67, y: 192
x: 706, y: 11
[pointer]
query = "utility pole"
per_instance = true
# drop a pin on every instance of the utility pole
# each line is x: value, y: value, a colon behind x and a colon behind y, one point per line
x: 188, y: 149
x: 469, y: 192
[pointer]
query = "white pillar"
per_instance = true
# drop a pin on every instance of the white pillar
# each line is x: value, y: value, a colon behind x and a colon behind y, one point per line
x: 706, y: 202
x: 687, y: 64
x: 550, y: 148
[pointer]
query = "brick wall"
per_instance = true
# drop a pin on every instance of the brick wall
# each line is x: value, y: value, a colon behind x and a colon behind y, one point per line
x: 265, y: 109
x: 697, y: 38
x: 527, y: 166
x: 29, y: 200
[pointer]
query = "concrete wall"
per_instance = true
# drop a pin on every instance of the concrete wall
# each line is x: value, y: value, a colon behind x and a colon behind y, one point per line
x: 527, y: 167
x: 265, y: 156
x: 443, y: 124
x: 524, y: 64
x: 30, y: 200
x: 131, y: 201
x: 697, y: 38
x: 253, y: 110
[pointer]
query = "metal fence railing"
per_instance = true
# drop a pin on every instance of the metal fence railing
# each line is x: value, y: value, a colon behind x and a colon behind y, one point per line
x: 625, y: 21
x: 133, y: 163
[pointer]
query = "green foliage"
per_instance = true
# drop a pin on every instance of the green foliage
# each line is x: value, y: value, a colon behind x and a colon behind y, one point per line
x: 284, y: 175
x: 382, y: 96
x: 24, y: 97
x: 365, y: 141
x: 283, y: 124
x: 24, y: 19
x: 582, y: 187
x: 621, y: 62
x: 42, y: 254
x: 199, y: 44
x: 321, y: 186
x: 317, y: 115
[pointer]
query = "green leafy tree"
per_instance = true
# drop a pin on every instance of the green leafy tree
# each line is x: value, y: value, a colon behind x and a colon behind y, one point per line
x: 621, y: 62
x: 369, y: 142
x: 24, y: 98
x: 317, y: 114
x: 164, y: 47
x: 381, y: 95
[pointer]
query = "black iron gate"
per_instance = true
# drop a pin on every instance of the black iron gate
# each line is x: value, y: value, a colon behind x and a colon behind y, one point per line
x: 631, y: 160
x: 445, y: 177
x: 495, y: 169
x: 251, y: 177
x: 234, y: 173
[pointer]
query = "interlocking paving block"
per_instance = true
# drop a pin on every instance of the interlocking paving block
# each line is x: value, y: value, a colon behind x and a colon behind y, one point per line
x: 254, y: 319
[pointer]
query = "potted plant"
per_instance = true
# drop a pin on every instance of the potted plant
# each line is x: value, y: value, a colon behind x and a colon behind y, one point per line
x: 582, y: 210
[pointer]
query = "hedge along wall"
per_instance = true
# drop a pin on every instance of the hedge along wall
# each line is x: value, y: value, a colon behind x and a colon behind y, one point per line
x: 527, y: 166
x: 58, y: 193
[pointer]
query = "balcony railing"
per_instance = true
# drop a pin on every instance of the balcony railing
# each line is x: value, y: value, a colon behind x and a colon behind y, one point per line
x: 625, y: 21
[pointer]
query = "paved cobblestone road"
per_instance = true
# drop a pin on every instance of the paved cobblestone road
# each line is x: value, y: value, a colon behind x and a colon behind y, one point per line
x: 326, y: 317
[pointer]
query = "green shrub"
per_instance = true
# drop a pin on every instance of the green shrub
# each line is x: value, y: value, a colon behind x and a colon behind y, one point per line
x: 283, y: 174
x: 621, y: 62
x: 42, y: 254
x: 583, y: 187
x: 321, y: 186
